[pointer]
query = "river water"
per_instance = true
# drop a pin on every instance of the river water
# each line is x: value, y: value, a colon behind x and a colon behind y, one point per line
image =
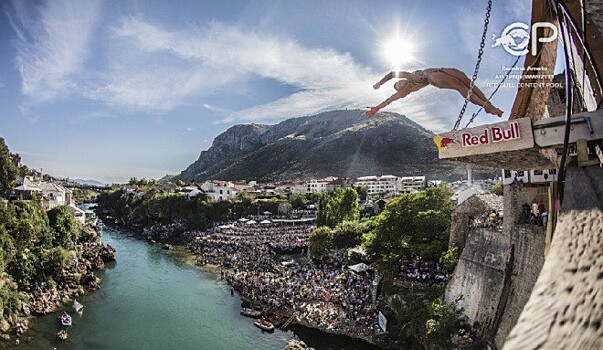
x: 157, y: 299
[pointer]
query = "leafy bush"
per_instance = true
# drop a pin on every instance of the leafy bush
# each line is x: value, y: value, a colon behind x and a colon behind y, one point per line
x: 67, y: 229
x: 450, y: 258
x: 348, y: 234
x: 320, y: 240
x: 337, y: 208
x: 497, y: 189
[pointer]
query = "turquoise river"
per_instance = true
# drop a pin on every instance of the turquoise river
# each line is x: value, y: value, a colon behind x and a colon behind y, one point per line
x: 156, y: 299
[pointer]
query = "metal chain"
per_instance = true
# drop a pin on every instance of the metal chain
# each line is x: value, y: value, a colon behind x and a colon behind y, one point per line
x: 494, y: 92
x: 477, y: 64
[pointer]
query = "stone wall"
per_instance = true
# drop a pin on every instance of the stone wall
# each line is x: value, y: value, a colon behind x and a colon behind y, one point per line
x: 515, y: 197
x: 528, y: 244
x: 497, y: 270
x: 478, y: 278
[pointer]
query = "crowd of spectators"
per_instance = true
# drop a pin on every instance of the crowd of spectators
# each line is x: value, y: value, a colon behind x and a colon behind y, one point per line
x: 535, y: 214
x: 243, y: 246
x: 322, y: 293
x: 419, y: 270
x: 492, y: 219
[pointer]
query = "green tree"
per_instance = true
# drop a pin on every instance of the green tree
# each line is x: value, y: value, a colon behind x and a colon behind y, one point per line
x: 441, y: 325
x: 8, y: 170
x: 66, y: 228
x: 341, y: 206
x: 324, y: 210
x: 346, y: 205
x: 297, y: 200
x: 362, y: 192
x: 56, y: 259
x: 346, y: 235
x: 320, y: 240
x: 414, y: 224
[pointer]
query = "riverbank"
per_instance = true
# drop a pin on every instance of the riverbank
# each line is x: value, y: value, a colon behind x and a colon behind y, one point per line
x: 42, y: 298
x: 156, y: 299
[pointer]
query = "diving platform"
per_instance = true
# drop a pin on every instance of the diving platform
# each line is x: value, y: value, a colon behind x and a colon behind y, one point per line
x: 524, y: 144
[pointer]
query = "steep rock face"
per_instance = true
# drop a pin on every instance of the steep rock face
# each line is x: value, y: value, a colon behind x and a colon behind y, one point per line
x: 234, y: 142
x: 338, y: 143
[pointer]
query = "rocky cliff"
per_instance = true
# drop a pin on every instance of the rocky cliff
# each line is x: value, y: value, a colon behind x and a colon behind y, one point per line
x: 336, y: 143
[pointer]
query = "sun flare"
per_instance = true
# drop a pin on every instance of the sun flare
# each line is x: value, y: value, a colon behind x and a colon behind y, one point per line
x: 398, y: 50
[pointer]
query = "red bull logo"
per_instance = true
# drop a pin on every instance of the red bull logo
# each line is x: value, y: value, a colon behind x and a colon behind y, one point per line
x: 443, y: 142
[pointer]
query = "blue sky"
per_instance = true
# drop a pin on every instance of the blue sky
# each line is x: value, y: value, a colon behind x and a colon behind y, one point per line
x: 113, y: 89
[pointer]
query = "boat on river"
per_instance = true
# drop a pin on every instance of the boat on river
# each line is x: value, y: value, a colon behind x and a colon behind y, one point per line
x: 248, y: 312
x: 62, y: 334
x: 65, y: 319
x: 77, y: 306
x: 264, y: 325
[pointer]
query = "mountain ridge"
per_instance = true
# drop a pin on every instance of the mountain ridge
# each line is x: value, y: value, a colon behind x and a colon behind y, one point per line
x: 334, y: 143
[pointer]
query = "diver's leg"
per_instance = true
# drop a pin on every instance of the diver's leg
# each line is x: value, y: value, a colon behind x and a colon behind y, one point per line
x: 445, y: 81
x: 464, y: 79
x: 488, y: 107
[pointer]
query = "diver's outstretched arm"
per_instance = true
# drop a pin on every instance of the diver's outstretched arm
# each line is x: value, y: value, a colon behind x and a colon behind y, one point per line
x: 389, y: 76
x: 398, y: 95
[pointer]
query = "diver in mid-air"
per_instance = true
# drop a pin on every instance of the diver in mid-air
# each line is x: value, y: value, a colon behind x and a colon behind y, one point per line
x: 443, y: 78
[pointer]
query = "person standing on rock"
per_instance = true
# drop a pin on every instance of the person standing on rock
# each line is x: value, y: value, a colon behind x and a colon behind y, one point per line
x: 443, y: 78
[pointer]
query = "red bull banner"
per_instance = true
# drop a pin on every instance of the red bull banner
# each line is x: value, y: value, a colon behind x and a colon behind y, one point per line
x: 510, y: 135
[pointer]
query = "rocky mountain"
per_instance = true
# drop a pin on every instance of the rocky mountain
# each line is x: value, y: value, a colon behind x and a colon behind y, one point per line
x: 336, y: 143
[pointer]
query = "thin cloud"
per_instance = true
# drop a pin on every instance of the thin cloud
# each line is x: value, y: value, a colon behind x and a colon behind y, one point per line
x: 324, y: 79
x: 154, y: 70
x: 52, y: 46
x: 216, y: 109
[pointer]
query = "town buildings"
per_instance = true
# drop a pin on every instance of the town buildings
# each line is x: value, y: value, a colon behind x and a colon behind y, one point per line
x: 51, y: 194
x: 392, y: 185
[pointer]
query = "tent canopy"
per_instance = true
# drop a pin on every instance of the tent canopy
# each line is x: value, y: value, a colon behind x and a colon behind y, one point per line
x: 251, y: 222
x: 243, y: 220
x: 265, y: 222
x: 267, y: 213
x: 361, y: 267
x: 358, y: 250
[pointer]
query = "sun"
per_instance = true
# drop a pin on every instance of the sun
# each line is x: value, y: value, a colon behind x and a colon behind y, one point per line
x: 398, y: 50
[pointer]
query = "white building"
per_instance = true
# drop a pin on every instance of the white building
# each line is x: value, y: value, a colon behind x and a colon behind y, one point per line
x: 53, y: 195
x: 379, y: 184
x: 291, y: 187
x: 410, y: 184
x: 328, y: 184
x: 462, y: 195
x: 79, y: 214
x: 318, y: 186
x: 219, y: 190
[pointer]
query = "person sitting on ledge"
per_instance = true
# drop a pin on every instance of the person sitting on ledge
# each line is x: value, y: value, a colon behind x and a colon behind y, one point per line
x: 443, y: 78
